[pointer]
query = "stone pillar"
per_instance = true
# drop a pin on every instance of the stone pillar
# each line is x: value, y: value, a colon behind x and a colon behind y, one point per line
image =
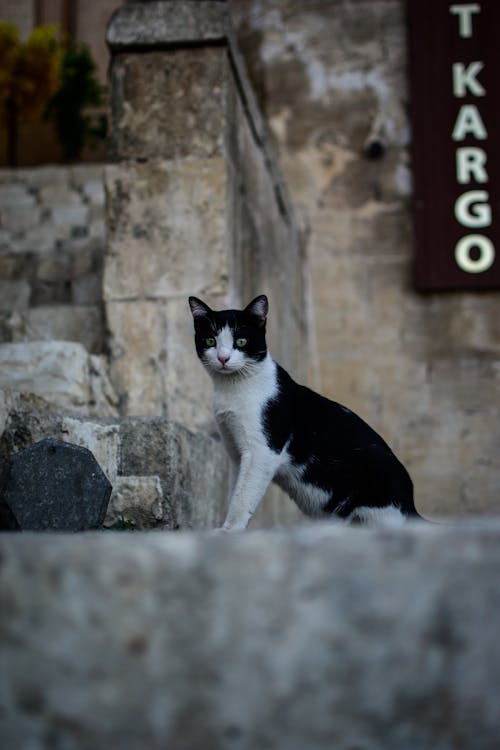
x: 195, y: 205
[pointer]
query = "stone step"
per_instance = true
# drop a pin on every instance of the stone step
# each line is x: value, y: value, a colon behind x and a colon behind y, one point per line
x: 323, y: 637
x: 163, y: 475
x: 62, y: 373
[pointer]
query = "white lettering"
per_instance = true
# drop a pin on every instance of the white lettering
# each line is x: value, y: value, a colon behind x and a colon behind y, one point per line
x: 469, y: 121
x: 464, y: 13
x: 485, y: 257
x: 465, y: 78
x: 471, y: 165
x: 472, y: 209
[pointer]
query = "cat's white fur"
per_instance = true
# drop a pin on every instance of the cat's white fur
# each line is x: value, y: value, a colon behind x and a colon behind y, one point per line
x: 238, y: 402
x: 388, y: 516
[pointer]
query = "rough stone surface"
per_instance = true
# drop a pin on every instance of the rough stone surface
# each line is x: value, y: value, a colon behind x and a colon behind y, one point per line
x: 55, y: 485
x: 162, y: 474
x: 55, y: 370
x: 191, y: 124
x: 79, y: 323
x: 167, y: 229
x: 424, y: 370
x: 61, y: 372
x: 192, y: 468
x: 51, y: 254
x: 136, y: 503
x: 323, y: 638
x: 174, y: 22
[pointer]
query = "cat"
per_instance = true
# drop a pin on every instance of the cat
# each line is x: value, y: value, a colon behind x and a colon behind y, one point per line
x: 324, y: 456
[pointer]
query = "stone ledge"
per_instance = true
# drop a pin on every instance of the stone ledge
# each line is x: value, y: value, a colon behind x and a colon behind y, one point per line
x: 167, y: 24
x: 318, y: 638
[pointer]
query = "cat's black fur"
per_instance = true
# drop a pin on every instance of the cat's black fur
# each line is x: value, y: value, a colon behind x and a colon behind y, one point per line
x: 344, y: 455
x: 326, y: 457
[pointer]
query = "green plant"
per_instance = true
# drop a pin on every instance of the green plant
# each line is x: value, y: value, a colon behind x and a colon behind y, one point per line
x: 29, y: 77
x: 79, y: 90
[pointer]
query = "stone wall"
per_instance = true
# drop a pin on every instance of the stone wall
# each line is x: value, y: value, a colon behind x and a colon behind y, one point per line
x: 162, y: 475
x: 52, y: 238
x: 195, y: 206
x: 316, y: 639
x: 424, y: 370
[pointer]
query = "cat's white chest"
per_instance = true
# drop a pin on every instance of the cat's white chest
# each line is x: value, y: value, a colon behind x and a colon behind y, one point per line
x: 238, y: 407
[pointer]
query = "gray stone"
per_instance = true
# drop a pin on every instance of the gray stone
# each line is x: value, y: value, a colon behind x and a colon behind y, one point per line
x: 160, y: 23
x: 55, y: 485
x: 70, y: 216
x: 136, y: 502
x: 80, y: 323
x: 14, y: 294
x: 192, y: 468
x: 55, y: 370
x: 169, y: 104
x: 15, y: 194
x: 321, y: 638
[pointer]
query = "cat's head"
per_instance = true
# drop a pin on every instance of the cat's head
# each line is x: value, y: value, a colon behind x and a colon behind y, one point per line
x: 230, y: 342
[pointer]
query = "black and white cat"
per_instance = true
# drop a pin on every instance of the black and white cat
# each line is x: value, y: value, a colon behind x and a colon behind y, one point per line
x: 328, y: 460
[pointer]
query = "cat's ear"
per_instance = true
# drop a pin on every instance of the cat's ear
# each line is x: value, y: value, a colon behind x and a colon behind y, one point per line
x: 258, y: 307
x: 198, y: 308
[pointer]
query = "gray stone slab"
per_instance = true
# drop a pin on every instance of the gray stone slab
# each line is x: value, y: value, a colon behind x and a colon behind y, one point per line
x: 155, y: 24
x: 54, y: 485
x: 319, y: 639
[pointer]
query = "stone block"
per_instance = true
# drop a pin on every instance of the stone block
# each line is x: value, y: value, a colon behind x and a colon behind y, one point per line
x: 136, y: 502
x: 54, y: 485
x: 192, y: 468
x: 319, y: 638
x: 79, y: 323
x: 19, y: 218
x: 67, y: 217
x: 102, y: 439
x: 169, y: 104
x: 14, y: 195
x: 37, y: 177
x: 87, y: 290
x: 137, y: 343
x: 14, y: 294
x: 172, y: 23
x: 93, y: 191
x: 57, y: 194
x: 37, y: 240
x: 80, y: 174
x: 26, y: 419
x: 55, y: 370
x: 166, y: 229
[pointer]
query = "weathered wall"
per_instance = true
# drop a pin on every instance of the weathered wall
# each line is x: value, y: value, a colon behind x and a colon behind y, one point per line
x: 195, y: 206
x: 52, y: 239
x: 424, y: 370
x: 311, y: 640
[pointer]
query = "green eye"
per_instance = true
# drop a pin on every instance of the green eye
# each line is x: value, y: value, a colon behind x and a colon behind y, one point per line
x: 240, y: 343
x: 210, y: 341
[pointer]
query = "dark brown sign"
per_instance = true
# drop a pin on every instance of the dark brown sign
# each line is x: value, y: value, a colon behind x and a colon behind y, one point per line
x: 454, y: 55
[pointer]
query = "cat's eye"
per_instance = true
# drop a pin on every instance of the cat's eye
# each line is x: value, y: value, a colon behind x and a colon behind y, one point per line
x: 240, y: 343
x: 210, y: 341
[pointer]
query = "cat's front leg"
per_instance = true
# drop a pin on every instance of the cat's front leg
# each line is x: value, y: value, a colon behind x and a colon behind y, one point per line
x: 257, y: 468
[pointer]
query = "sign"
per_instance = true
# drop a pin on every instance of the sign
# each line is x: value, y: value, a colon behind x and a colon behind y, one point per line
x: 454, y: 68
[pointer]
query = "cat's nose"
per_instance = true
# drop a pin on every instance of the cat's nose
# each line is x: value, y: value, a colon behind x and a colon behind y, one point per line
x: 223, y: 358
